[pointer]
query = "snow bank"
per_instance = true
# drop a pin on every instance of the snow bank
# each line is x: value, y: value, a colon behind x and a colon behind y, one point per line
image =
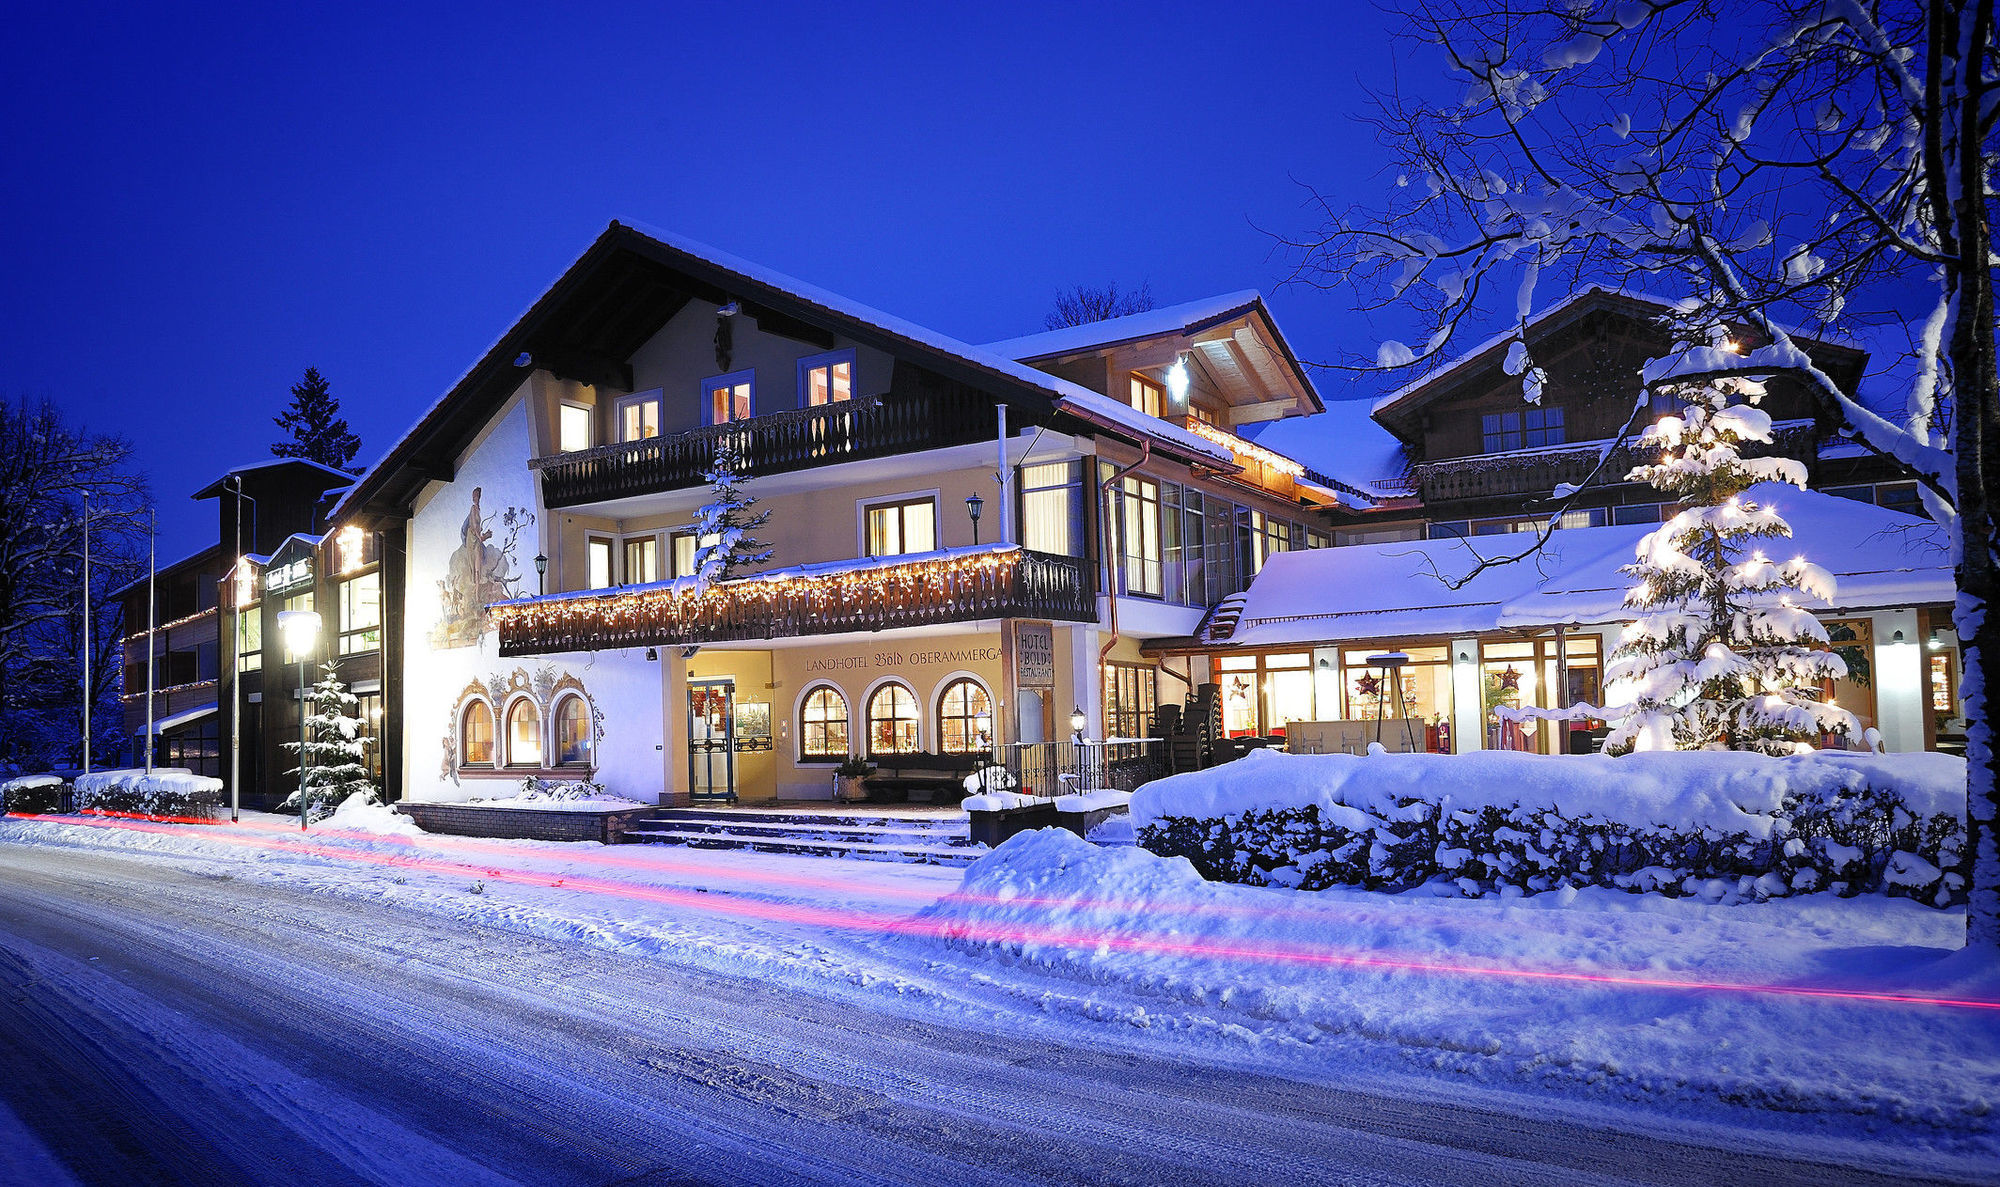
x: 1726, y: 825
x: 356, y: 814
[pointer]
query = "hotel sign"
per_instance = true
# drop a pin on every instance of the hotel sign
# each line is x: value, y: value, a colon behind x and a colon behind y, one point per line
x: 285, y: 576
x: 1034, y: 655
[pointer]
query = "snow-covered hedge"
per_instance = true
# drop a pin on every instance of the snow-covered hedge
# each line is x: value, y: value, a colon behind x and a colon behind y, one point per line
x: 1721, y: 825
x: 167, y: 791
x: 33, y: 794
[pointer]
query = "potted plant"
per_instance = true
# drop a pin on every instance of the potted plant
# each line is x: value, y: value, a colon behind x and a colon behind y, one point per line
x: 847, y: 780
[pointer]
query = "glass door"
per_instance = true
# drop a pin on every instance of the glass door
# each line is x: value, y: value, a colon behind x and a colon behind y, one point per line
x: 712, y: 740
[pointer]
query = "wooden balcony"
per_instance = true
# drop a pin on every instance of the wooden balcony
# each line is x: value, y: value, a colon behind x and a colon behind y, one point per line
x: 962, y: 585
x: 850, y: 431
x: 1535, y: 473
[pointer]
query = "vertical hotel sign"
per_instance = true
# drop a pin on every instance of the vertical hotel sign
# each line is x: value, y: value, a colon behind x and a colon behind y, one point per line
x: 1034, y: 654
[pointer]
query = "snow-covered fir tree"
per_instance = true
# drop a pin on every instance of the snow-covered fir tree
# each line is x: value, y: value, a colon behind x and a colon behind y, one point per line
x: 319, y: 432
x: 336, y: 765
x: 1723, y: 654
x: 722, y: 527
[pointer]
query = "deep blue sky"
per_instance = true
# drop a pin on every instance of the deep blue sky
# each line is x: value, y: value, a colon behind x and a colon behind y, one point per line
x: 199, y: 206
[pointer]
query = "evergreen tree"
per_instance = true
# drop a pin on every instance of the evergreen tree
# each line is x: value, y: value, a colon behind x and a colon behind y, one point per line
x: 335, y: 757
x: 1722, y: 654
x: 319, y: 432
x: 722, y: 528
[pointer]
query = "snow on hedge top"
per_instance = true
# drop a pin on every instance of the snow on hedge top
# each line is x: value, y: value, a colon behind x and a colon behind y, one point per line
x: 28, y: 782
x: 1683, y: 790
x: 1876, y: 556
x: 168, y: 779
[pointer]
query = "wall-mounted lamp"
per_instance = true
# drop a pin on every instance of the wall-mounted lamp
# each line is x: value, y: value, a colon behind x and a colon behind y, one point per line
x: 652, y: 655
x: 973, y: 505
x: 1896, y: 638
x: 1177, y: 381
x: 524, y: 359
x: 729, y: 310
x: 1465, y: 657
x: 541, y: 572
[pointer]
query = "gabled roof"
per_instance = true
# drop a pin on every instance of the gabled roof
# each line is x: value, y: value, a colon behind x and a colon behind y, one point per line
x: 189, y: 561
x: 630, y: 282
x: 1399, y: 406
x: 306, y: 467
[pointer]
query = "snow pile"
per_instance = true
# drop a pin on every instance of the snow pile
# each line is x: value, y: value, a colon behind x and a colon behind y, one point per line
x: 1093, y: 801
x: 163, y: 791
x: 1723, y: 825
x: 998, y: 801
x: 359, y: 814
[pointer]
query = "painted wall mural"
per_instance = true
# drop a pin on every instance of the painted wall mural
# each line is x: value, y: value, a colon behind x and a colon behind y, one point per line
x: 499, y: 691
x: 482, y: 569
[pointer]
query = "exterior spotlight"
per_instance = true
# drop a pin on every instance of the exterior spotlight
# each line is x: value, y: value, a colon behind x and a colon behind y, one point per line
x: 973, y: 505
x: 729, y: 310
x: 1076, y: 723
x: 1177, y: 381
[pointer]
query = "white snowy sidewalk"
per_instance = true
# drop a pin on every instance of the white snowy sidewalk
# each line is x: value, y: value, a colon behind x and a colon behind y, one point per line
x: 1815, y: 1008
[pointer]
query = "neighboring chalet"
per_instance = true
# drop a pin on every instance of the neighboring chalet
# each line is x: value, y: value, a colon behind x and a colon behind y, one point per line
x: 970, y: 544
x: 1428, y: 473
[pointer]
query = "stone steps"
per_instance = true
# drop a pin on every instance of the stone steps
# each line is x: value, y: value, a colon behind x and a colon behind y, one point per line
x: 926, y: 840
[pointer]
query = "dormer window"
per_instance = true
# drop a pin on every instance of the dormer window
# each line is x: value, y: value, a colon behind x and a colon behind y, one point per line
x: 1147, y: 396
x: 826, y: 378
x: 1529, y: 428
x: 728, y: 398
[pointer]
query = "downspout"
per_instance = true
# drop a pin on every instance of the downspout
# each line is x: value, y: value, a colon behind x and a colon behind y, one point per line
x: 1110, y: 553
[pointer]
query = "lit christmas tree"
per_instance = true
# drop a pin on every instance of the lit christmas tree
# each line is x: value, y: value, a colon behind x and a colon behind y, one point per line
x: 336, y: 765
x: 722, y: 527
x: 1723, y: 655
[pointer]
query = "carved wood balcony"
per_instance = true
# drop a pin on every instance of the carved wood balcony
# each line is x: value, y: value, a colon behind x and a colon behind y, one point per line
x: 1535, y: 473
x: 960, y: 585
x: 850, y: 431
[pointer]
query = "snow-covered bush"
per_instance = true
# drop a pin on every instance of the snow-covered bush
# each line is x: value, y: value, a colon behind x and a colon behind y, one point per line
x: 33, y: 794
x: 538, y: 789
x: 165, y: 791
x: 1722, y: 825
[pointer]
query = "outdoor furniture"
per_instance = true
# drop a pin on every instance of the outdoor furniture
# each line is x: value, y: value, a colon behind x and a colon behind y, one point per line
x: 921, y: 777
x: 990, y: 828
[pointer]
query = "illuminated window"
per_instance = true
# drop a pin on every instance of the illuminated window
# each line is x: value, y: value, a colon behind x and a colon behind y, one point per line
x: 575, y: 432
x: 573, y: 732
x: 1131, y: 694
x: 524, y: 734
x: 597, y: 556
x: 826, y: 378
x: 823, y: 725
x: 905, y: 526
x: 892, y: 720
x: 642, y: 560
x: 1204, y: 415
x: 727, y: 398
x: 361, y: 614
x: 1147, y: 396
x: 958, y: 716
x: 1139, y: 535
x: 250, y: 638
x: 639, y: 416
x: 475, y: 735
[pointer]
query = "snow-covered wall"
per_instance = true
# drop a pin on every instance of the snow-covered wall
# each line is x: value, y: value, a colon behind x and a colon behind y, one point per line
x: 471, y: 542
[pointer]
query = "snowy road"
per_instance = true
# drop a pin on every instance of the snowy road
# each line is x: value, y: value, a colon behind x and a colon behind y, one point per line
x: 164, y: 1026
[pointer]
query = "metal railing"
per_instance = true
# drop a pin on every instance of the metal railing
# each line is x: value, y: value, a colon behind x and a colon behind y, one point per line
x: 1049, y: 769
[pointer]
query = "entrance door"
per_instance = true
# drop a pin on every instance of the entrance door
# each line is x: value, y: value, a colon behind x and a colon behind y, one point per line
x: 712, y: 739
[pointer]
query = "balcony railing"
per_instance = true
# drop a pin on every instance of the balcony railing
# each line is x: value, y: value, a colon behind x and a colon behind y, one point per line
x: 961, y: 585
x: 1534, y: 473
x: 850, y: 431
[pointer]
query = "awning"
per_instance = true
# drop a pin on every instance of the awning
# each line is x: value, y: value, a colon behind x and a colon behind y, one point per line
x: 184, y: 717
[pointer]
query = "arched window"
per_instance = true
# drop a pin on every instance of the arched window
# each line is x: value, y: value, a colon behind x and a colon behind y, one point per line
x: 475, y: 735
x: 823, y: 725
x: 524, y: 734
x: 573, y: 732
x: 892, y: 720
x: 959, y: 710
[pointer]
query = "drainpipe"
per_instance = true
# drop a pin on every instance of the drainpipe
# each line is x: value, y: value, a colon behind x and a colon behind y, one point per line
x: 1110, y: 553
x: 1003, y: 477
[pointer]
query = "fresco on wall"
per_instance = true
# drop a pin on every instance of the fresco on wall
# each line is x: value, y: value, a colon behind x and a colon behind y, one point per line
x: 545, y: 687
x: 482, y: 569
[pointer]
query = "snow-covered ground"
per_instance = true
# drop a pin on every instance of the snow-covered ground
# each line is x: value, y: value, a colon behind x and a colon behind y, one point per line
x: 1840, y: 1017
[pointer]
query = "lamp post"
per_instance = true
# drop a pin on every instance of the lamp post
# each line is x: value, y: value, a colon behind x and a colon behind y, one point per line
x: 1076, y: 723
x: 301, y: 631
x: 541, y: 572
x: 973, y: 505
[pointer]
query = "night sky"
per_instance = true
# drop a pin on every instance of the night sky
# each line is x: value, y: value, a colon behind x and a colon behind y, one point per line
x: 199, y: 206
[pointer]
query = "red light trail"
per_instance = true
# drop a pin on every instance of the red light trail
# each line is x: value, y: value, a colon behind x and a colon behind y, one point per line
x: 848, y: 919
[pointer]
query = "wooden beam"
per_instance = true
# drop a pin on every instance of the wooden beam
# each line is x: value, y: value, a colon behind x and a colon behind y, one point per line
x: 583, y: 366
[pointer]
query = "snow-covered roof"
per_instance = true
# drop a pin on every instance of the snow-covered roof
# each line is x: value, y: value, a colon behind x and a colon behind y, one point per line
x: 1878, y: 558
x: 164, y: 570
x: 1153, y: 323
x: 176, y: 720
x: 1343, y: 443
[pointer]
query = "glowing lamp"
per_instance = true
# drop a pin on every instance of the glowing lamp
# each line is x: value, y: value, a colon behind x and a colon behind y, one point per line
x: 1177, y: 381
x: 300, y: 629
x: 1076, y: 722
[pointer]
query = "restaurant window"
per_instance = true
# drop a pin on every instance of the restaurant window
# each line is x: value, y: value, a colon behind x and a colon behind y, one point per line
x: 639, y: 416
x: 892, y: 720
x: 727, y: 398
x: 1368, y: 692
x: 1131, y: 694
x: 904, y: 526
x: 1147, y: 396
x: 1139, y: 535
x: 1052, y: 508
x: 475, y: 735
x: 642, y: 560
x: 1533, y: 673
x: 823, y: 725
x: 959, y: 711
x: 250, y: 638
x: 1261, y: 694
x: 826, y: 378
x: 573, y: 732
x: 597, y: 558
x: 524, y: 734
x: 574, y: 432
x: 361, y: 614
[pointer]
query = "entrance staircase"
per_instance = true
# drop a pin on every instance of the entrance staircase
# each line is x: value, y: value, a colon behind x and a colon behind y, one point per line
x: 927, y: 840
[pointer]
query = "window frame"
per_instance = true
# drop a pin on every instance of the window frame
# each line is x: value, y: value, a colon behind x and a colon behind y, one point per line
x: 514, y: 706
x: 625, y: 546
x: 491, y: 761
x: 864, y: 508
x: 969, y: 721
x: 827, y: 360
x: 1143, y: 682
x: 590, y: 542
x: 357, y: 634
x: 807, y: 757
x: 563, y: 409
x: 1141, y: 391
x: 250, y: 622
x: 915, y: 718
x: 589, y: 759
x: 1133, y: 504
x: 729, y: 380
x: 654, y: 396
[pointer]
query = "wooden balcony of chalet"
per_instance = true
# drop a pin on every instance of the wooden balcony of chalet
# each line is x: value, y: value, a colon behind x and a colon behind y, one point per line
x: 873, y: 594
x: 1534, y: 473
x: 849, y: 431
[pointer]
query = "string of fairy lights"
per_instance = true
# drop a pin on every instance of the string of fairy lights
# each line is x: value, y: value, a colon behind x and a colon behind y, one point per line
x: 1244, y: 449
x: 661, y: 607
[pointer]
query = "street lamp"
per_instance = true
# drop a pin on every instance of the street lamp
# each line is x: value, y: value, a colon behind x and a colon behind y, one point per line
x: 300, y: 629
x: 973, y: 504
x: 541, y: 571
x: 1076, y: 723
